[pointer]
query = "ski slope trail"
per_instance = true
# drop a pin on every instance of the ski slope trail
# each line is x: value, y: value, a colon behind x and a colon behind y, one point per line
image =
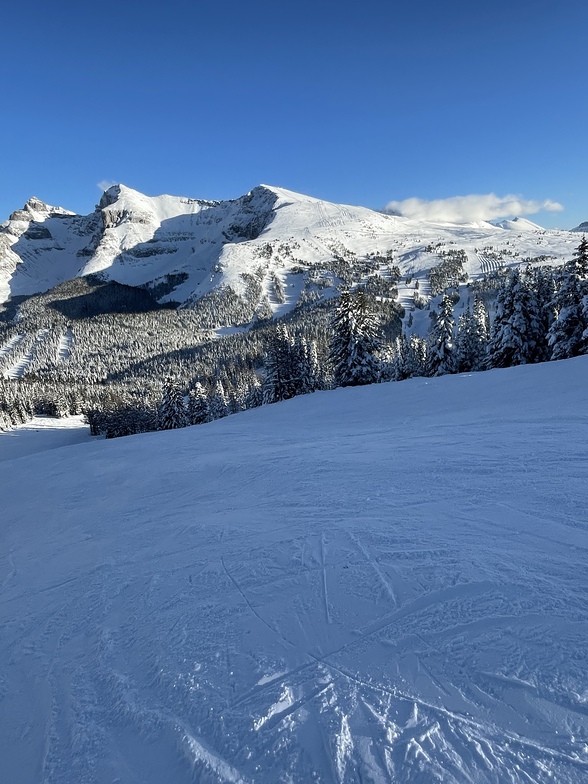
x: 23, y: 363
x: 10, y: 345
x: 65, y: 346
x: 366, y: 585
x: 42, y: 433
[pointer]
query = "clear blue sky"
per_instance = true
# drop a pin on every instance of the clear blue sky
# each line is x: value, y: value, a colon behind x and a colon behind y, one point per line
x: 362, y: 102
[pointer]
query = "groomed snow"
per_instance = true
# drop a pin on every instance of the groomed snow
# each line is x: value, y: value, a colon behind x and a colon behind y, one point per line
x: 41, y: 434
x: 379, y: 584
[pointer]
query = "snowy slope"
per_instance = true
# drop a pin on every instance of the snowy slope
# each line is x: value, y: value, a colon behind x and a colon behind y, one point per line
x: 268, y: 233
x: 520, y: 224
x: 41, y: 434
x: 378, y: 584
x: 38, y: 248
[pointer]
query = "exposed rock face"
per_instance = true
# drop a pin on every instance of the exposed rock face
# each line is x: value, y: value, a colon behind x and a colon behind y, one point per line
x: 109, y: 197
x: 35, y: 208
x: 114, y: 213
x: 37, y: 232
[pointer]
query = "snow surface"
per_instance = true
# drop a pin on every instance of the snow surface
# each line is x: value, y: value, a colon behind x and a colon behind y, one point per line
x: 366, y: 585
x: 43, y: 433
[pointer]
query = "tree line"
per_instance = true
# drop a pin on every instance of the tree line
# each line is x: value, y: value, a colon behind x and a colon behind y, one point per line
x: 532, y: 315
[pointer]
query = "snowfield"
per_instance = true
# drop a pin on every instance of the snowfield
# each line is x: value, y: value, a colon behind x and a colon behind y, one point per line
x: 385, y: 584
x: 41, y: 434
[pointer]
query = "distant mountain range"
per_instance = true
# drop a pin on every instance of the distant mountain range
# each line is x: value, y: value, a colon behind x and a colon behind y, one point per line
x: 182, y: 249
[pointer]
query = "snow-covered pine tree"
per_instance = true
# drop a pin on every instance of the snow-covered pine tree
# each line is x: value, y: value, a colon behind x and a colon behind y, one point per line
x: 308, y: 366
x: 254, y: 397
x: 400, y: 370
x: 282, y: 368
x: 482, y: 333
x: 172, y: 411
x: 472, y: 338
x: 464, y: 342
x: 241, y: 388
x: 540, y: 282
x: 417, y: 356
x: 354, y: 342
x: 516, y: 327
x: 482, y: 319
x: 219, y: 404
x: 580, y: 259
x: 198, y: 409
x: 584, y: 347
x: 566, y: 336
x: 441, y: 356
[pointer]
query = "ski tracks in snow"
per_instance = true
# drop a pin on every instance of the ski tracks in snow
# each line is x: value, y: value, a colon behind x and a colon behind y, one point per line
x: 325, y: 588
x: 407, y: 717
x: 12, y: 571
x: 244, y: 628
x: 375, y: 566
x: 416, y: 733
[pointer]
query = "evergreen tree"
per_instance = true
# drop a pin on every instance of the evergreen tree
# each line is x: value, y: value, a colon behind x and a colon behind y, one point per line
x: 282, y: 368
x: 400, y: 370
x: 308, y: 373
x: 198, y: 408
x: 354, y: 342
x: 219, y: 404
x: 172, y: 411
x: 472, y: 338
x: 481, y: 332
x: 580, y: 259
x: 584, y: 314
x: 441, y: 356
x: 566, y: 336
x: 465, y: 341
x: 254, y: 397
x: 409, y: 357
x: 516, y: 327
x: 541, y: 282
x: 416, y: 356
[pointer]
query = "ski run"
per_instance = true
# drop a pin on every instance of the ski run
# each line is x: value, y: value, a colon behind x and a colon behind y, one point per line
x: 381, y: 584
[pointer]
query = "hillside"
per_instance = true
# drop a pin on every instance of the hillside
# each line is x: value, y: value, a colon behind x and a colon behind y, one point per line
x: 377, y: 584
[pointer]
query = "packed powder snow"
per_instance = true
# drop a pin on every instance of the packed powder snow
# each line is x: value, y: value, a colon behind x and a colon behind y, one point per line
x: 377, y: 584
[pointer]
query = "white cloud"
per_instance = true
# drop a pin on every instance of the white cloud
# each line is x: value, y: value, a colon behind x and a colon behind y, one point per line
x: 104, y: 185
x: 475, y: 207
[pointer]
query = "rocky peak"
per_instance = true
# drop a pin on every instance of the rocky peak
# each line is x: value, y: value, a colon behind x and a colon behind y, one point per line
x: 36, y: 209
x: 110, y: 196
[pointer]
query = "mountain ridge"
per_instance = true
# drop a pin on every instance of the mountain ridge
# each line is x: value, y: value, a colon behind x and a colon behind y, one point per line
x: 193, y: 248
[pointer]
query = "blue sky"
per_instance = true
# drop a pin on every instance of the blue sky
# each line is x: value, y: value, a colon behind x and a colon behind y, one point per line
x: 364, y: 103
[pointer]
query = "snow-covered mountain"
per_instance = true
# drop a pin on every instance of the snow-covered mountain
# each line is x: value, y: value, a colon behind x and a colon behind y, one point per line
x: 186, y: 248
x: 519, y: 224
x: 582, y: 227
x: 380, y: 584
